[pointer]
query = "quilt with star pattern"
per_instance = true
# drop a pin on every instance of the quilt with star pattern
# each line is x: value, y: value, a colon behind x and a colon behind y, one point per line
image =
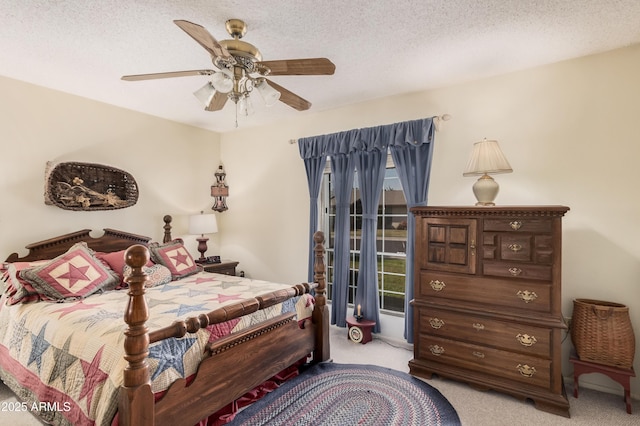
x: 65, y: 360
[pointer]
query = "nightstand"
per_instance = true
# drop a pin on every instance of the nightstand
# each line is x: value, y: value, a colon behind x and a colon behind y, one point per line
x: 227, y: 267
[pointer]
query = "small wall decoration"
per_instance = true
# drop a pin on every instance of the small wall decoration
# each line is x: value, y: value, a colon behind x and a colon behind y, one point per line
x: 88, y: 186
x: 220, y: 191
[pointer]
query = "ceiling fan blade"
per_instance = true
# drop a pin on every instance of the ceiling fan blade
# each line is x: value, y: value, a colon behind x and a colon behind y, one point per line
x: 206, y: 40
x: 290, y: 98
x: 311, y: 66
x: 166, y: 75
x: 217, y: 102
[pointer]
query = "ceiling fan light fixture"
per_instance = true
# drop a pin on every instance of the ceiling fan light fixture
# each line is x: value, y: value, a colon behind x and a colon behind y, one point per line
x: 245, y: 106
x: 268, y: 93
x: 205, y: 93
x: 222, y: 81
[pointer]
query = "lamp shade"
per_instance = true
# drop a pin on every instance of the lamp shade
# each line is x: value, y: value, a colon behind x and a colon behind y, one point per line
x: 203, y: 224
x: 268, y: 93
x: 487, y: 158
x: 205, y: 93
x: 222, y: 80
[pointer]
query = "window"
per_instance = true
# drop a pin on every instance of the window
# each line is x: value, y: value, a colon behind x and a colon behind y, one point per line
x: 391, y: 238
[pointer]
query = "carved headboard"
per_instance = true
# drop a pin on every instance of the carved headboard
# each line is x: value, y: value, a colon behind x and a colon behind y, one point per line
x: 112, y: 240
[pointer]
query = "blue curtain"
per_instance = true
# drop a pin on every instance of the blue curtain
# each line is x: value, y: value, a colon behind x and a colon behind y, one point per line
x: 366, y: 150
x: 370, y: 165
x: 314, y: 165
x: 342, y: 168
x: 412, y: 151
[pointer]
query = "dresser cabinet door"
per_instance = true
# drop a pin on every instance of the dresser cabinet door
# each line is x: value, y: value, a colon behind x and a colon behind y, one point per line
x: 447, y: 244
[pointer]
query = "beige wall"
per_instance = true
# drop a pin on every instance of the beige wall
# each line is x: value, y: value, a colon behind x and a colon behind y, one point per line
x: 173, y: 165
x: 569, y: 130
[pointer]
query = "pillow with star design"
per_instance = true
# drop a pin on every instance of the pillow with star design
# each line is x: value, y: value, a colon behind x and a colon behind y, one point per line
x: 174, y: 256
x: 73, y: 275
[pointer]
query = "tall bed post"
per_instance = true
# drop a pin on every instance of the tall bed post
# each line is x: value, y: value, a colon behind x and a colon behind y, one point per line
x: 167, y: 229
x: 321, y: 310
x: 136, y: 399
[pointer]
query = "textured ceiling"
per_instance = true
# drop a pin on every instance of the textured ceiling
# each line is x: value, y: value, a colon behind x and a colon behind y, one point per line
x: 380, y: 48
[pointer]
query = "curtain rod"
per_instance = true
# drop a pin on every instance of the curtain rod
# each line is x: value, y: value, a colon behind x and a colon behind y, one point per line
x: 436, y: 121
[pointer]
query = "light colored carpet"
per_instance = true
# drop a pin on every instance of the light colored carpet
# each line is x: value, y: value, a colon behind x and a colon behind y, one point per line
x: 475, y: 408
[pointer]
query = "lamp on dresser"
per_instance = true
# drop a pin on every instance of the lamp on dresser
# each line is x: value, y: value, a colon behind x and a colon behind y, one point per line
x: 486, y: 158
x: 201, y: 224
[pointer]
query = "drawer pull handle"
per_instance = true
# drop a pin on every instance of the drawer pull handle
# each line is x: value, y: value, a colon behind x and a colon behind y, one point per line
x: 478, y: 354
x: 478, y: 326
x: 515, y: 225
x: 515, y: 271
x: 527, y: 296
x: 437, y: 285
x: 525, y: 370
x: 436, y: 350
x: 526, y: 340
x: 436, y: 323
x: 515, y: 247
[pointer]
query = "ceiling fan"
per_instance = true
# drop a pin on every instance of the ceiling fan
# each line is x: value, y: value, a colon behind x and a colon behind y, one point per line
x: 240, y: 69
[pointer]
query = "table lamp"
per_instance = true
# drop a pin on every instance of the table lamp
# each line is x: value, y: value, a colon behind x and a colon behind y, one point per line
x: 486, y: 158
x: 202, y: 224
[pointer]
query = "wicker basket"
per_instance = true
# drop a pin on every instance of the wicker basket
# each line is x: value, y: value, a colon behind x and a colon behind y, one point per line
x: 88, y: 186
x: 601, y: 332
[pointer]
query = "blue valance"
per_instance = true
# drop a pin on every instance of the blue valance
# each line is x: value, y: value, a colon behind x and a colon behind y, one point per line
x: 415, y: 132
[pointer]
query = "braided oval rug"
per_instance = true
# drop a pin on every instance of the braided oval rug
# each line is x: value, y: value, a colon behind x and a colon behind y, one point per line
x: 351, y: 394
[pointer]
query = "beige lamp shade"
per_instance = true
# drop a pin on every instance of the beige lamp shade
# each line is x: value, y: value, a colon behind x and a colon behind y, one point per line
x: 486, y: 158
x: 203, y: 224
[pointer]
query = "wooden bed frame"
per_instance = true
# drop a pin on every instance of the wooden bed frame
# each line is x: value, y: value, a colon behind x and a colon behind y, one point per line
x: 234, y: 364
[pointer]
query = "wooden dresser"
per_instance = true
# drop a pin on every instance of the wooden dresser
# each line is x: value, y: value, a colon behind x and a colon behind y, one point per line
x: 488, y: 300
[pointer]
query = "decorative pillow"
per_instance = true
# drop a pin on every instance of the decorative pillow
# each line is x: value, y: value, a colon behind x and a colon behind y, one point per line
x: 17, y: 289
x: 174, y: 256
x: 72, y: 275
x: 158, y: 275
x: 115, y: 261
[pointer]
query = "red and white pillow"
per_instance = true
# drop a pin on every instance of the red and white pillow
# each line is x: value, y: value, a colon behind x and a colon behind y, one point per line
x: 116, y: 261
x: 174, y: 256
x: 72, y: 275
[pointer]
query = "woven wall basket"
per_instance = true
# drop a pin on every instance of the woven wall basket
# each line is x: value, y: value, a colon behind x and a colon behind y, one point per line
x: 601, y: 332
x: 88, y: 186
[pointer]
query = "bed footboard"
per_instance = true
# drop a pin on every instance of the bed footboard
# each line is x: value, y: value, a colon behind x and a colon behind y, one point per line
x: 235, y: 364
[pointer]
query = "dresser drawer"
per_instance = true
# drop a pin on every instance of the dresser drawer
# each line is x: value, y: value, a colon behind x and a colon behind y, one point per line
x: 514, y: 295
x: 518, y: 225
x: 517, y: 270
x: 525, y: 369
x: 484, y: 331
x: 518, y: 247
